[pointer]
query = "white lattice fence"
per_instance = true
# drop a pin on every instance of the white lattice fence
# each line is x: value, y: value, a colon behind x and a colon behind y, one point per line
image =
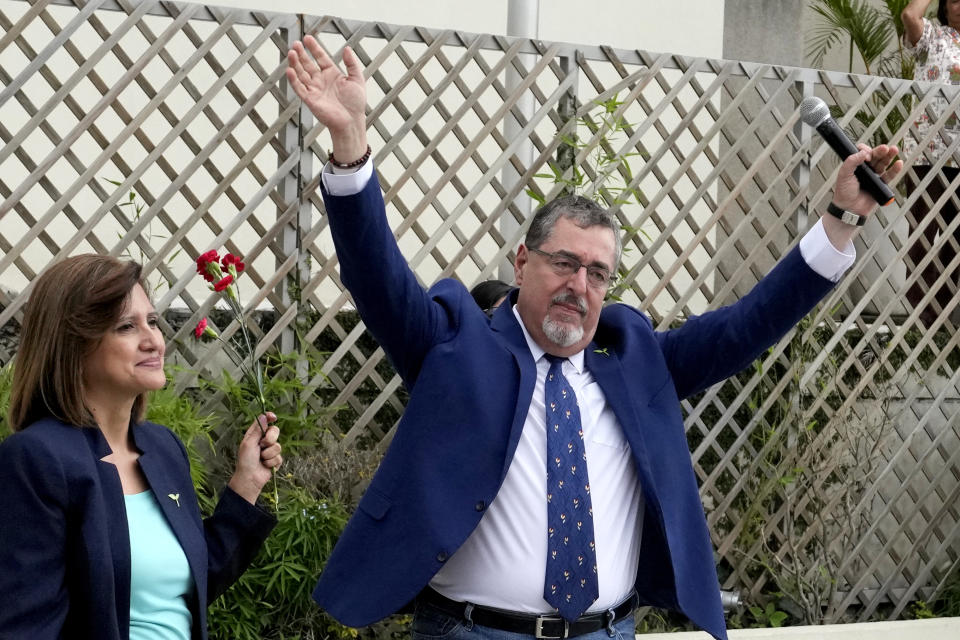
x: 839, y: 449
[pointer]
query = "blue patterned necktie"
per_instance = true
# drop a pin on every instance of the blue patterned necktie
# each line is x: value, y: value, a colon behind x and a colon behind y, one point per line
x: 571, y: 579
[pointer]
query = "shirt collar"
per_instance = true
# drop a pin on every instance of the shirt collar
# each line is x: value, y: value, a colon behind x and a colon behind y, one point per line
x: 537, y: 352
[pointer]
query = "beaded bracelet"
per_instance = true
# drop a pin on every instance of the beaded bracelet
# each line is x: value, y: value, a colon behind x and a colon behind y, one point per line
x: 349, y: 165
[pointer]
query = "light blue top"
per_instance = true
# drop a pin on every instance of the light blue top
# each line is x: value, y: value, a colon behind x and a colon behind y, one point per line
x: 160, y: 579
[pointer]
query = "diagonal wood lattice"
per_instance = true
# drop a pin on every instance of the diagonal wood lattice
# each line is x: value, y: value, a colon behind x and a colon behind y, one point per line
x: 157, y: 130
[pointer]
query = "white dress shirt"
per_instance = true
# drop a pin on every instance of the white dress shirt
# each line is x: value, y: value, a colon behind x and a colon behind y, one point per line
x: 502, y: 564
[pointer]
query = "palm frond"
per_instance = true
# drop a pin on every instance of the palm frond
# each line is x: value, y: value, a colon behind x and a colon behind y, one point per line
x: 895, y: 65
x: 894, y: 9
x: 868, y: 29
x: 819, y: 41
x: 872, y: 33
x: 834, y: 24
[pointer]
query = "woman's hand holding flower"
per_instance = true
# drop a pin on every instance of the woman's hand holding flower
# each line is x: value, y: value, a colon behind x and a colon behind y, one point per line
x: 256, y: 457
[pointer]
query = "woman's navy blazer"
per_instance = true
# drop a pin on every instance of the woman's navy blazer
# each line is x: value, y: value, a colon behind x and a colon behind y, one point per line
x: 64, y: 540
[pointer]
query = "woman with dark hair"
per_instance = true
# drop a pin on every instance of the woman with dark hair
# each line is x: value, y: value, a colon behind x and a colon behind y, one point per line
x: 100, y: 530
x: 936, y: 48
x: 489, y: 294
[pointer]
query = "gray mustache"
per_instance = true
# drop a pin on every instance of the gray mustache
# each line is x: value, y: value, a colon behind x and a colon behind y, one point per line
x: 569, y: 298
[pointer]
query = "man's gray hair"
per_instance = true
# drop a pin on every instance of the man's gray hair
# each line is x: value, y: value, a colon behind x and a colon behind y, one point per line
x: 583, y: 212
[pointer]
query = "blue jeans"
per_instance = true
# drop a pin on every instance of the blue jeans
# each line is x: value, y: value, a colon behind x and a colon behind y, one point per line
x: 430, y: 623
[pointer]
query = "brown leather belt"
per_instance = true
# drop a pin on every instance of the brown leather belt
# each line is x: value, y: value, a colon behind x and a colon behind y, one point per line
x: 537, y: 626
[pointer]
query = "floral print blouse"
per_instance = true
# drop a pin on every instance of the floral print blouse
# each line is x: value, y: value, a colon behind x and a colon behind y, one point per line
x: 937, y: 55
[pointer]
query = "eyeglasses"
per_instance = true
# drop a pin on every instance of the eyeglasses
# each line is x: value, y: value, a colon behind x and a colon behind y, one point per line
x: 565, y: 265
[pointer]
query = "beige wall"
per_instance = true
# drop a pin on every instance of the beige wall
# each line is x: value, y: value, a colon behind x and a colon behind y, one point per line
x: 688, y: 27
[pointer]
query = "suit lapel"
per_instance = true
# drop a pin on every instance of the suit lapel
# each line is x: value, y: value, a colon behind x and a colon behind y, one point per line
x: 118, y: 530
x: 174, y: 495
x: 607, y: 370
x: 505, y: 324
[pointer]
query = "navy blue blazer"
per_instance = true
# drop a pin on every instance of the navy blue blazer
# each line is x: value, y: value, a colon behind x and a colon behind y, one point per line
x: 64, y: 540
x: 471, y: 380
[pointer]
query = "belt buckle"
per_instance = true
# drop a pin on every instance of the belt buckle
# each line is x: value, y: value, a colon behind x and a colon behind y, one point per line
x: 538, y: 631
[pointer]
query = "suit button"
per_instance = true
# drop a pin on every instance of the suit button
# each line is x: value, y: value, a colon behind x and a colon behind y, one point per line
x: 480, y: 506
x: 442, y: 556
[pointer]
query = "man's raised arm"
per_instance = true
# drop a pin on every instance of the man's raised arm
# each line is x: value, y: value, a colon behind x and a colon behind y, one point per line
x: 396, y: 309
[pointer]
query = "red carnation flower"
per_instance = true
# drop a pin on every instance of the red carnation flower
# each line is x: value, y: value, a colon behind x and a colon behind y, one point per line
x: 203, y: 329
x: 222, y: 276
x: 231, y: 259
x: 205, y: 261
x: 225, y: 282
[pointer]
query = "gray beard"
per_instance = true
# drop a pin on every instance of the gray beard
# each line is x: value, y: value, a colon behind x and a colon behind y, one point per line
x: 561, y: 335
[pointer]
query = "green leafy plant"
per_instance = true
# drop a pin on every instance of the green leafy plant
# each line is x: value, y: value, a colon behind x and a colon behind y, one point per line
x: 135, y: 206
x: 302, y: 419
x: 943, y: 603
x: 606, y: 174
x: 767, y: 616
x: 272, y: 598
x: 876, y: 35
x: 948, y: 599
x: 6, y: 382
x: 921, y: 610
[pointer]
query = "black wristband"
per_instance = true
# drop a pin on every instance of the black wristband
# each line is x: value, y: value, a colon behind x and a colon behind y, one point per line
x: 846, y: 217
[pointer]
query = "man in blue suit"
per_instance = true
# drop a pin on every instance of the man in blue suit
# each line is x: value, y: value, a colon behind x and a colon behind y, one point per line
x: 539, y: 483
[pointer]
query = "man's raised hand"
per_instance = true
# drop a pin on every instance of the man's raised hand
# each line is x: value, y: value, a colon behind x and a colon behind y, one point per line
x: 847, y: 193
x: 338, y: 101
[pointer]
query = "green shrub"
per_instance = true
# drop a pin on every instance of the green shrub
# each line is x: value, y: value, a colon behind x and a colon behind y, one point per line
x: 272, y: 599
x: 6, y: 381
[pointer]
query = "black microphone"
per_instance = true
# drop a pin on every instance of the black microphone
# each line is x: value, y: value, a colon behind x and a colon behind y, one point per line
x: 814, y: 112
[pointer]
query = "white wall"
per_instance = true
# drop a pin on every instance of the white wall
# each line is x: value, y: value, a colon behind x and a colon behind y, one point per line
x: 689, y: 27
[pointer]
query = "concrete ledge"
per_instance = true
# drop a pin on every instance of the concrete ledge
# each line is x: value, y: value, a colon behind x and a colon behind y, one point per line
x: 929, y: 629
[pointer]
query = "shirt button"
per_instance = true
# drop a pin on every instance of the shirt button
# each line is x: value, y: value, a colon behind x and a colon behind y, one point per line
x: 480, y: 506
x: 442, y: 556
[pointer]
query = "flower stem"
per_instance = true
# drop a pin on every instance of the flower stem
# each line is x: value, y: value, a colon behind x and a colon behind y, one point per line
x: 254, y: 369
x: 232, y: 354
